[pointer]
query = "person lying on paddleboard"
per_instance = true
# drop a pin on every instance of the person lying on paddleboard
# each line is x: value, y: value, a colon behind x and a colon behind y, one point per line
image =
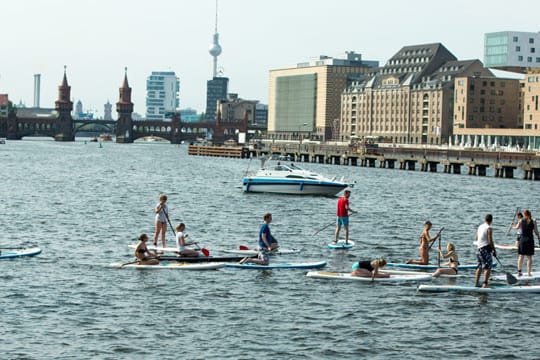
x: 369, y: 268
x: 181, y: 244
x: 265, y: 243
x: 425, y: 239
x: 452, y: 263
x: 143, y: 255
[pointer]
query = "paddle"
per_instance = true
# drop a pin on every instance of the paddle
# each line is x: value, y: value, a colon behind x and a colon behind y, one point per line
x: 511, y: 279
x: 433, y: 242
x: 332, y: 223
x: 203, y: 250
x: 513, y: 218
x: 439, y: 252
x: 129, y: 263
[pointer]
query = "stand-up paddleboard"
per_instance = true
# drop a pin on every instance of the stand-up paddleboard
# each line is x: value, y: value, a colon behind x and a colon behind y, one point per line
x: 510, y: 247
x: 156, y: 248
x: 255, y: 251
x: 200, y: 259
x: 14, y: 253
x: 473, y: 289
x: 348, y: 277
x: 431, y: 266
x: 170, y: 266
x: 304, y: 265
x: 341, y: 245
x: 535, y: 275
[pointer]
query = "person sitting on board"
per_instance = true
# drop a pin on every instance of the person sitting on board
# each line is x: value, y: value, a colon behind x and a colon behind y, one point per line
x: 484, y: 251
x: 452, y: 263
x: 265, y: 243
x: 425, y: 239
x: 369, y: 268
x: 143, y: 255
x: 181, y: 244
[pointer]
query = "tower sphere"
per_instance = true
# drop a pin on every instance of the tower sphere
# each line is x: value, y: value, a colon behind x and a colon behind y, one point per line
x: 214, y: 49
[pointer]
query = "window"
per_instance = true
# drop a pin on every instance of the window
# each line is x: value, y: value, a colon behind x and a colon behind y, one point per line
x: 515, y: 39
x: 529, y: 59
x: 518, y: 48
x: 531, y: 41
x: 520, y: 58
x: 532, y: 50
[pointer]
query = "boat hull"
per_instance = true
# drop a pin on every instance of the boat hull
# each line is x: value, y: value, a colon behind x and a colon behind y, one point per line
x: 292, y: 187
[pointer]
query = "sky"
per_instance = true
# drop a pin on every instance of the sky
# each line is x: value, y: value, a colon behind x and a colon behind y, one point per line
x: 97, y: 39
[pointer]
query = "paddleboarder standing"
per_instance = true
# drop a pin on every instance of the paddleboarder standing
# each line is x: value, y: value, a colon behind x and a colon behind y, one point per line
x: 484, y: 251
x: 162, y: 211
x: 343, y: 210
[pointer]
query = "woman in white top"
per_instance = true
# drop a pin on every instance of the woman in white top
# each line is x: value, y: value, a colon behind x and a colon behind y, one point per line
x: 181, y: 242
x: 162, y: 212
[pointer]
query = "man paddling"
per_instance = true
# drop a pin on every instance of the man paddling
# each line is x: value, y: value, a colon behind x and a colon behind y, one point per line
x: 343, y: 210
x: 265, y: 243
x: 484, y: 251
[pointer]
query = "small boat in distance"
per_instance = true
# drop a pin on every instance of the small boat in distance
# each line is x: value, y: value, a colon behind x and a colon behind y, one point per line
x: 105, y: 137
x: 291, y: 179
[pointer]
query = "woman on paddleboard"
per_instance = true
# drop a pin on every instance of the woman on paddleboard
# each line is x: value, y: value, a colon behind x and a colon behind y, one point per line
x: 425, y: 239
x: 181, y: 242
x: 162, y: 212
x: 452, y: 263
x: 369, y: 268
x: 528, y: 229
x: 143, y: 255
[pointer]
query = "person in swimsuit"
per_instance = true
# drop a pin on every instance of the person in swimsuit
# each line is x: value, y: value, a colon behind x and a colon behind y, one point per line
x: 143, y: 255
x: 527, y: 227
x: 181, y: 244
x: 425, y: 239
x: 452, y: 263
x: 369, y: 268
x: 162, y: 212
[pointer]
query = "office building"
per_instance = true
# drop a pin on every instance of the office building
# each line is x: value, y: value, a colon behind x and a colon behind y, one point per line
x: 4, y: 105
x: 216, y: 90
x: 305, y: 99
x: 162, y: 94
x: 409, y: 100
x: 512, y: 50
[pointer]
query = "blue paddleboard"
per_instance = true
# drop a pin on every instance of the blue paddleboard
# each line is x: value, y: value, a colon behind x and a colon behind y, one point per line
x: 14, y: 253
x: 341, y: 245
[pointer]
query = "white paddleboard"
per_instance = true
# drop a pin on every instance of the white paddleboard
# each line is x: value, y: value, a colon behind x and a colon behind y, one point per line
x: 14, y: 253
x: 535, y: 275
x: 341, y: 245
x: 431, y: 266
x: 473, y: 289
x: 171, y: 265
x: 511, y: 247
x: 248, y: 252
x: 304, y: 265
x: 348, y: 277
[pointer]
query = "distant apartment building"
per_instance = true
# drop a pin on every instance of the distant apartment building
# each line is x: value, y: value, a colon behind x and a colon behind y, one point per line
x: 234, y: 109
x: 189, y: 115
x: 4, y: 105
x: 261, y: 116
x: 530, y: 93
x: 216, y: 90
x: 306, y: 99
x: 409, y: 100
x: 162, y: 94
x: 512, y: 50
x: 487, y: 102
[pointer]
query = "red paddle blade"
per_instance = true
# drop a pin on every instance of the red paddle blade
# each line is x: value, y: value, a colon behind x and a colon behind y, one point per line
x: 242, y: 247
x: 205, y: 252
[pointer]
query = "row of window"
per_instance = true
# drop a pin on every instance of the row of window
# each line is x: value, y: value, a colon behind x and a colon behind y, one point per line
x: 529, y: 59
x: 531, y: 50
x: 516, y: 39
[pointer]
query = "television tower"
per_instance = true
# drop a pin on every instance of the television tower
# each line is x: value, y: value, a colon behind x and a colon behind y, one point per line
x: 215, y: 48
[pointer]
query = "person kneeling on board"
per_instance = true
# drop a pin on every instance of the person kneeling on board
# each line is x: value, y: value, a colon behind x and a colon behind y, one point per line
x: 452, y: 263
x: 143, y: 255
x: 369, y: 268
x: 265, y: 243
x: 425, y: 239
x: 181, y: 244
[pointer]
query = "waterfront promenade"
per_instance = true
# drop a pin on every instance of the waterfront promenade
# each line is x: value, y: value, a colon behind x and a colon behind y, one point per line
x: 451, y: 160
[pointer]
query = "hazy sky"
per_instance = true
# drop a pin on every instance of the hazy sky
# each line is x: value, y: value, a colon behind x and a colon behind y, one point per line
x: 96, y: 39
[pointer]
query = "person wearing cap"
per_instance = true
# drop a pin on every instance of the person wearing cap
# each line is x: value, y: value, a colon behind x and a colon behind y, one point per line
x: 425, y: 239
x: 343, y: 211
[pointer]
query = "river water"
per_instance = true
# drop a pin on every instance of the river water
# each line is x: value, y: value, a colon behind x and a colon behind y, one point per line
x: 83, y: 205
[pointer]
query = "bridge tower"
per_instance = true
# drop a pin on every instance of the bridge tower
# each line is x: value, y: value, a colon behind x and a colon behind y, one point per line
x: 124, y: 108
x: 64, y: 122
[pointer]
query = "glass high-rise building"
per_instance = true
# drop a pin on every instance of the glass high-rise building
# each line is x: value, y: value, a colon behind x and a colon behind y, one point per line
x: 162, y: 94
x: 216, y: 89
x: 512, y: 50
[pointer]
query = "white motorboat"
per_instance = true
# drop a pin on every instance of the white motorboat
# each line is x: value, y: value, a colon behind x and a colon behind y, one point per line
x: 291, y: 179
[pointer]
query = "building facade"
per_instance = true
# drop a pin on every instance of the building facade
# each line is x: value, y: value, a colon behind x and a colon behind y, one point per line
x: 162, y: 94
x: 487, y: 102
x: 306, y: 99
x: 409, y: 100
x: 216, y: 90
x: 512, y: 50
x: 4, y: 105
x: 234, y: 109
x: 530, y: 92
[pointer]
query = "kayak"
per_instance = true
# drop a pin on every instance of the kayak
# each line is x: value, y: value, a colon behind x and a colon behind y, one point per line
x: 199, y: 259
x: 341, y: 245
x: 511, y: 247
x: 431, y: 266
x: 523, y: 277
x: 473, y: 289
x: 349, y: 277
x: 14, y: 253
x: 305, y: 265
x: 171, y: 265
x: 255, y: 251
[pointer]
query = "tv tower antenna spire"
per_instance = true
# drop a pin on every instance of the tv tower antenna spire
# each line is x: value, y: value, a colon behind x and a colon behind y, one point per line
x: 215, y: 48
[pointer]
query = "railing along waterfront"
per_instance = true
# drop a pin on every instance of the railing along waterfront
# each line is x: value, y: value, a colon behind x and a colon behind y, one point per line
x: 429, y: 159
